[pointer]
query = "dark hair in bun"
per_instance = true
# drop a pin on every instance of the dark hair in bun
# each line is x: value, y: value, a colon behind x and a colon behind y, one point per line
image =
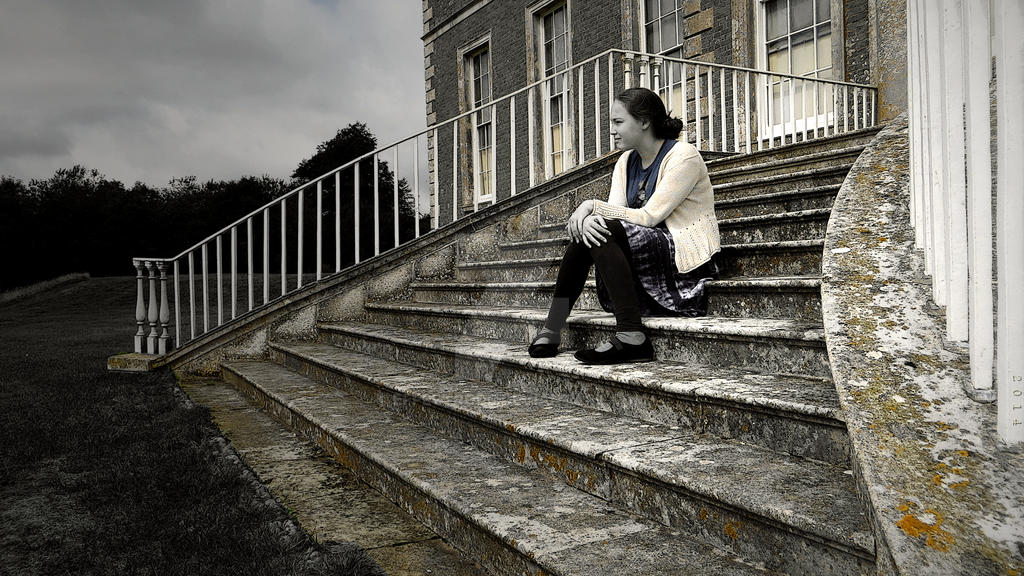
x: 643, y: 104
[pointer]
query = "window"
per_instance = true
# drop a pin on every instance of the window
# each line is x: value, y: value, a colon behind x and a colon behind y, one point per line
x: 798, y: 40
x: 663, y: 32
x: 479, y: 75
x: 554, y: 41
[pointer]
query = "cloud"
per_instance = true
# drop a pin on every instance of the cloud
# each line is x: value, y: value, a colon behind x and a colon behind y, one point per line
x: 151, y: 90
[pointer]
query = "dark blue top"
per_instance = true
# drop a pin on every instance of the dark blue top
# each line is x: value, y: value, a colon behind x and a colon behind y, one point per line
x: 641, y: 181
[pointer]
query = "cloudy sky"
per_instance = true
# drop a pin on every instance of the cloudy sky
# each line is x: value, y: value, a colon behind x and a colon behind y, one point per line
x: 155, y: 89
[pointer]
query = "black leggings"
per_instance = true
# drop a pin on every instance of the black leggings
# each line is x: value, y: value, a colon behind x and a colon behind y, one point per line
x: 613, y: 263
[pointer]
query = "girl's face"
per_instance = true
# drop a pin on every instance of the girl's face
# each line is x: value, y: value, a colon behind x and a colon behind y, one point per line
x: 625, y: 128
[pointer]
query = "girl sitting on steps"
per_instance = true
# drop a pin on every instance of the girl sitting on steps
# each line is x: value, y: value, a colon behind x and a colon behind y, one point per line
x: 652, y: 241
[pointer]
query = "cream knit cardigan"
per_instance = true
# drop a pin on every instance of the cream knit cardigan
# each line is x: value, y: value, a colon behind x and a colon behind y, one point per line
x: 682, y: 198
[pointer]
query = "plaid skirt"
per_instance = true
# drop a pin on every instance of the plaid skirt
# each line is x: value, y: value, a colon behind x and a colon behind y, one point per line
x: 661, y: 290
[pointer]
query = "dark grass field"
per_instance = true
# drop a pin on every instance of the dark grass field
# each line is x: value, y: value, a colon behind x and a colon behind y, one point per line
x: 108, y: 473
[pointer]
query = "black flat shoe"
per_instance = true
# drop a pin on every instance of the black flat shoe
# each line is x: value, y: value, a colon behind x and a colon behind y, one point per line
x: 620, y: 353
x: 543, y: 350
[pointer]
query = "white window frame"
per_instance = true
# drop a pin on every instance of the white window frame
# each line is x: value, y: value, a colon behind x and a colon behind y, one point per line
x: 537, y: 12
x: 665, y: 90
x: 465, y: 56
x: 770, y: 127
x: 484, y: 46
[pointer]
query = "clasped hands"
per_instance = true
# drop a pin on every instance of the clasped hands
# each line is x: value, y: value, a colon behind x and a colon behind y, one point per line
x: 586, y: 227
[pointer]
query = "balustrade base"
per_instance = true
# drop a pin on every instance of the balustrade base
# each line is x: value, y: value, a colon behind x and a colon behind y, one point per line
x: 134, y: 362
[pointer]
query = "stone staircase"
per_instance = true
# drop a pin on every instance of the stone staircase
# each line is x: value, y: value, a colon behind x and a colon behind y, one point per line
x: 729, y: 455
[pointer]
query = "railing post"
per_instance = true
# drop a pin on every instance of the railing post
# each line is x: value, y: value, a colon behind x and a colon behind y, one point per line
x: 300, y: 213
x: 165, y: 310
x: 154, y: 309
x: 140, y: 306
x: 177, y: 306
x: 656, y: 74
x: 337, y: 221
x: 415, y: 189
x: 249, y: 262
x: 627, y: 71
x: 512, y: 145
x: 356, y: 205
x: 319, y: 230
x: 394, y: 180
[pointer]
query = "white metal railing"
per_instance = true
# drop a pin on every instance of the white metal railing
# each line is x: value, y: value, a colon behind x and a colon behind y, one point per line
x: 265, y: 255
x: 961, y: 217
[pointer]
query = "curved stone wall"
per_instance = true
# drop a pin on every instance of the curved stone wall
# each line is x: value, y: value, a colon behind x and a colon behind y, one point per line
x: 946, y: 497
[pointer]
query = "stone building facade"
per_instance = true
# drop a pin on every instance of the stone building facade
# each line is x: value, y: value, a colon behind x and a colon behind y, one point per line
x: 477, y: 51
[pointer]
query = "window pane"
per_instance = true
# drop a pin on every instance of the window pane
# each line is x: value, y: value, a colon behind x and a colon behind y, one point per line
x: 559, y: 50
x: 548, y: 25
x: 778, y: 56
x: 556, y: 138
x: 824, y: 8
x: 824, y: 49
x: 483, y: 62
x: 803, y: 53
x: 775, y: 17
x: 651, y: 9
x: 668, y: 31
x: 559, y: 22
x: 556, y: 110
x: 652, y: 39
x: 549, y: 58
x: 801, y: 14
x: 668, y: 6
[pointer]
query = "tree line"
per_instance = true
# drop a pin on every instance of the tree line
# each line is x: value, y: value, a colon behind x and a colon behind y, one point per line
x: 79, y: 220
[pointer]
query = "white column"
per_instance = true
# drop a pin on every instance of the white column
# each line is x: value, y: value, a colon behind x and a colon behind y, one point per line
x: 1009, y: 48
x: 977, y: 69
x: 154, y: 310
x: 937, y: 78
x: 140, y: 306
x: 955, y: 175
x: 165, y: 310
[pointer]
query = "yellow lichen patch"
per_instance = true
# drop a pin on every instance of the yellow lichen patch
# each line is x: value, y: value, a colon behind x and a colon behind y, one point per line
x: 572, y: 476
x: 903, y: 507
x: 944, y: 426
x: 521, y: 453
x: 732, y: 529
x: 963, y: 453
x: 935, y: 536
x: 937, y: 480
x: 703, y: 514
x: 960, y: 485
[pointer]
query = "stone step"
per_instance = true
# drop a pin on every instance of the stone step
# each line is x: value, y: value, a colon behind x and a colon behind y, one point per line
x: 510, y: 519
x: 792, y: 258
x: 764, y: 227
x: 806, y: 224
x: 820, y: 159
x: 797, y: 415
x: 812, y: 178
x: 797, y: 298
x: 856, y: 138
x: 792, y: 506
x: 762, y: 344
x: 777, y: 202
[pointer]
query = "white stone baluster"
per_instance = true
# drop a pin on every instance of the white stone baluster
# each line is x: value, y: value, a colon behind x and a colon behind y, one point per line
x: 154, y: 309
x: 165, y: 310
x: 140, y: 306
